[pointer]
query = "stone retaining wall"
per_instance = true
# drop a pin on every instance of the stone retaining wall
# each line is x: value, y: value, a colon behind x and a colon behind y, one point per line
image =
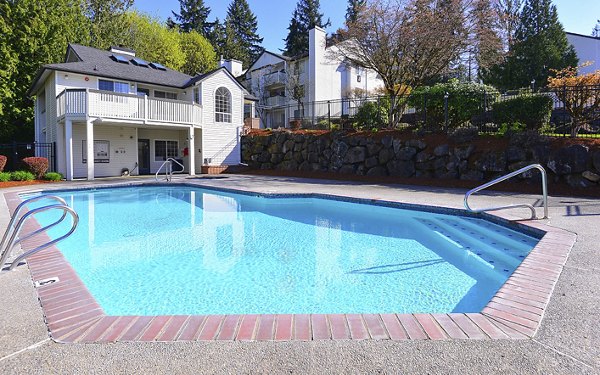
x: 458, y: 157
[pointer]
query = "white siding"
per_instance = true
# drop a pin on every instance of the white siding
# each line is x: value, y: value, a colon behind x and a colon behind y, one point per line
x: 588, y: 49
x: 220, y: 141
x: 266, y: 59
x: 122, y: 151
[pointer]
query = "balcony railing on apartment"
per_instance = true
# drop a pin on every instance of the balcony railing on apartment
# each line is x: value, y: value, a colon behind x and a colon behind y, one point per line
x: 275, y: 101
x: 275, y: 79
x: 110, y: 105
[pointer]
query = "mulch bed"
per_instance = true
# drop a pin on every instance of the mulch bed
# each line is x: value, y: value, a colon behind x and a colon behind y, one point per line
x: 9, y: 184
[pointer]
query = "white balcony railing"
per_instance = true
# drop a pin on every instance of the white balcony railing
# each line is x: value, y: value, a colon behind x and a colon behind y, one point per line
x: 276, y: 101
x: 110, y: 105
x: 275, y: 79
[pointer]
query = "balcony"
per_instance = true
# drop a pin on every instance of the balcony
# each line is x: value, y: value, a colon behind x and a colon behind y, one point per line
x: 80, y: 103
x: 275, y: 79
x: 276, y: 101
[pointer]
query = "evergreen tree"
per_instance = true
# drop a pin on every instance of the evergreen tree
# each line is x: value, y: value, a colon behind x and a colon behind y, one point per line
x: 193, y: 15
x: 108, y: 21
x: 242, y: 41
x: 217, y: 37
x: 305, y: 17
x: 353, y: 10
x: 596, y: 30
x: 540, y: 46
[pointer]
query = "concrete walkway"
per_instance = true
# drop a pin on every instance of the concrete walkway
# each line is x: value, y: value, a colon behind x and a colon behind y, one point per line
x: 567, y: 342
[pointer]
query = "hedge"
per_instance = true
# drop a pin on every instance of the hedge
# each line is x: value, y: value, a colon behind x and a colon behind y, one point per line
x: 532, y: 110
x: 22, y: 176
x: 465, y: 100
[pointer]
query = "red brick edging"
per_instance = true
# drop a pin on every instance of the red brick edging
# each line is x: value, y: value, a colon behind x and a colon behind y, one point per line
x: 515, y: 312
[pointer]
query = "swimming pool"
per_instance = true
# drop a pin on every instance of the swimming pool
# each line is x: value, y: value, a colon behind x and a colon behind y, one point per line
x: 158, y: 250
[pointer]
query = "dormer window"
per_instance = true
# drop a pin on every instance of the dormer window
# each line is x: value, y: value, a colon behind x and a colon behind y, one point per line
x: 222, y: 105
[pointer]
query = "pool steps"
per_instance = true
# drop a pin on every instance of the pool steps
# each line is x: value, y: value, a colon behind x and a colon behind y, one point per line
x: 503, y: 259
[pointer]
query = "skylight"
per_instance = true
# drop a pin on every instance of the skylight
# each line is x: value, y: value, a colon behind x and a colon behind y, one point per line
x: 120, y: 59
x: 157, y: 66
x: 139, y: 62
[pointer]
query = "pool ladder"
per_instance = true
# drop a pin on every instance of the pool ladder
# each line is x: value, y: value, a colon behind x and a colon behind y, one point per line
x: 12, y: 236
x: 506, y: 177
x: 168, y: 164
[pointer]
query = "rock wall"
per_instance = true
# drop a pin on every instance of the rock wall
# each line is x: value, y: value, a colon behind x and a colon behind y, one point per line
x: 461, y: 156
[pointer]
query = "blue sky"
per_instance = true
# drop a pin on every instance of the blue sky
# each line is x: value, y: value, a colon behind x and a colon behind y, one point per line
x: 578, y: 16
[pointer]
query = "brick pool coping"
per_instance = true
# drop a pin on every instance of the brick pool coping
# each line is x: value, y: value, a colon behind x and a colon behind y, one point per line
x: 72, y: 315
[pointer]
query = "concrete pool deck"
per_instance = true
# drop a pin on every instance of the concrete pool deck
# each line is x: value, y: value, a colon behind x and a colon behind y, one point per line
x: 566, y: 341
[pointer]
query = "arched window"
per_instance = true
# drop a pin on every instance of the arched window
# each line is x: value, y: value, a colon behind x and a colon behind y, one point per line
x: 222, y: 105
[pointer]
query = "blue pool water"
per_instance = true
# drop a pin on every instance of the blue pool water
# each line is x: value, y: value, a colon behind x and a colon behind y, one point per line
x: 166, y: 250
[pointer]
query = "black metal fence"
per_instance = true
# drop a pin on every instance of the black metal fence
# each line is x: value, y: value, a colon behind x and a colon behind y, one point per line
x: 15, y: 152
x: 343, y: 113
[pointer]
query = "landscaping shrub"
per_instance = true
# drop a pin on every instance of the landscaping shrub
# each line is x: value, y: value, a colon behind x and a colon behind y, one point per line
x: 53, y: 176
x: 36, y: 165
x: 2, y: 162
x: 532, y: 110
x: 372, y: 115
x: 465, y: 100
x: 22, y: 176
x: 4, y: 176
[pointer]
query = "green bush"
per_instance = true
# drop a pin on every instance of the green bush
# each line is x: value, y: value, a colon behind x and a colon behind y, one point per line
x: 372, y: 115
x: 465, y: 100
x: 53, y: 176
x: 22, y: 176
x: 532, y: 110
x: 515, y: 127
x: 4, y: 176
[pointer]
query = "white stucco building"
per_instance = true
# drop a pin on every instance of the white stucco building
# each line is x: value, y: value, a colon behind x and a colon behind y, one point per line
x: 588, y: 49
x: 319, y: 75
x: 132, y: 115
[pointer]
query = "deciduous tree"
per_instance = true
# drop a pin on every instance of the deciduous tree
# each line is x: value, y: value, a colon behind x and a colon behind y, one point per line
x: 108, y: 21
x: 354, y: 9
x: 401, y: 43
x: 200, y: 57
x: 579, y: 94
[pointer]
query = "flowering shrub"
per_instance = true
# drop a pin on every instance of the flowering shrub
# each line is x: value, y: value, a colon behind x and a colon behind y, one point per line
x: 2, y: 162
x: 580, y: 95
x: 36, y: 165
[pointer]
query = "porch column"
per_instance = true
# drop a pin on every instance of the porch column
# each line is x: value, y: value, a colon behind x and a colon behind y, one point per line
x: 69, y: 149
x: 192, y: 151
x: 89, y: 136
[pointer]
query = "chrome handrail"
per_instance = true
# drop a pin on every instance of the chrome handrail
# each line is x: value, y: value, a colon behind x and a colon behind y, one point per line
x: 506, y: 177
x: 169, y: 169
x: 13, y: 239
x: 18, y: 210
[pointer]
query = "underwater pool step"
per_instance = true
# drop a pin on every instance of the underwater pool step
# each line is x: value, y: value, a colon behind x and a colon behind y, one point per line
x: 519, y: 242
x: 499, y: 257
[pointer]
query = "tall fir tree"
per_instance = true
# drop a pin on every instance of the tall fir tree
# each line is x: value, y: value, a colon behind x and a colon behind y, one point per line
x: 242, y: 41
x: 486, y: 47
x: 353, y: 10
x: 305, y: 17
x: 540, y: 46
x: 193, y: 15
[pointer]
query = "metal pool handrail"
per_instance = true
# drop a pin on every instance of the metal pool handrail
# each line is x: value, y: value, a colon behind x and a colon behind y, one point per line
x: 506, y: 177
x: 13, y: 229
x: 169, y: 169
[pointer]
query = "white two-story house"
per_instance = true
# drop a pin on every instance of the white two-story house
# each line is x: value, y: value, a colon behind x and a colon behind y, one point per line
x: 301, y: 86
x: 109, y: 112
